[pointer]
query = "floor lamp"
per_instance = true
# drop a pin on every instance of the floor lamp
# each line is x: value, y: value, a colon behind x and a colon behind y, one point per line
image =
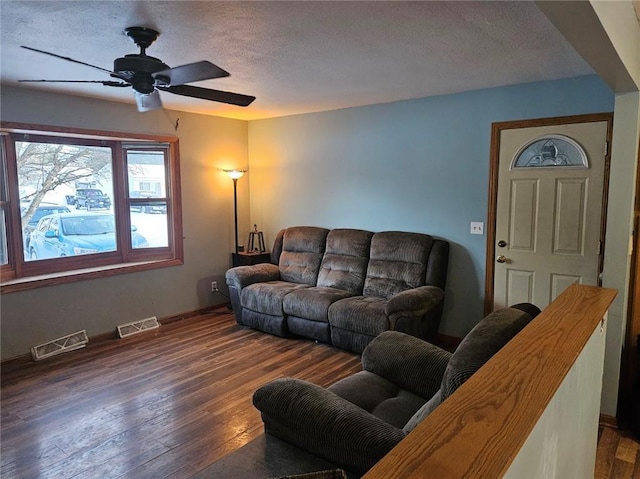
x: 234, y: 175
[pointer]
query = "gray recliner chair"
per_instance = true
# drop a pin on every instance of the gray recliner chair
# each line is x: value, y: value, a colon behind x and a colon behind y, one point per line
x: 358, y: 420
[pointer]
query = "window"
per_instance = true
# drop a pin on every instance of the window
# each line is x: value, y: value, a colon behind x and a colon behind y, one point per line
x: 4, y: 249
x: 146, y: 169
x: 86, y: 201
x: 550, y: 151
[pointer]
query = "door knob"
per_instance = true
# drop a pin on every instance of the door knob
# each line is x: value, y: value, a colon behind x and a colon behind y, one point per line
x: 502, y: 243
x: 501, y: 259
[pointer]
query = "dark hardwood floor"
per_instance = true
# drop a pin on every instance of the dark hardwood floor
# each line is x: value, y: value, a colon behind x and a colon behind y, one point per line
x: 618, y: 455
x: 170, y: 402
x: 160, y: 404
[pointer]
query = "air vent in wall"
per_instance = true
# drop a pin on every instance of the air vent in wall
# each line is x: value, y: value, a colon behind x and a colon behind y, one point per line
x: 136, y: 327
x: 70, y: 342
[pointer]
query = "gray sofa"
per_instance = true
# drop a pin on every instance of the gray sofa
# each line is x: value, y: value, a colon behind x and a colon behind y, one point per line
x: 359, y: 419
x: 343, y: 286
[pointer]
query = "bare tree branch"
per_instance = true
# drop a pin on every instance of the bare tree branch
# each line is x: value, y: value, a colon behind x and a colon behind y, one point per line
x: 43, y: 167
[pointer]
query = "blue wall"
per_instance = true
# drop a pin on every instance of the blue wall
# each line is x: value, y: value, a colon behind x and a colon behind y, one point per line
x: 416, y: 165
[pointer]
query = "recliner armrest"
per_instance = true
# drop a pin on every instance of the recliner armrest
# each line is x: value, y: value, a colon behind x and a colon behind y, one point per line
x: 242, y: 276
x: 406, y: 361
x: 413, y: 302
x: 323, y: 423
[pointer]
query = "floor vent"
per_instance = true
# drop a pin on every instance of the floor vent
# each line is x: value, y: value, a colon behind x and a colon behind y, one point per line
x: 71, y: 342
x: 136, y: 327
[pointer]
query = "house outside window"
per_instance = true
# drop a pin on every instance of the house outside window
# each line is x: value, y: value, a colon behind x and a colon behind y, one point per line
x: 72, y: 200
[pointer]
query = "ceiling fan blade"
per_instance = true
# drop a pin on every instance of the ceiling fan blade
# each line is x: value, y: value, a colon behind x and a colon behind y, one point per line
x: 66, y: 58
x: 208, y: 94
x: 148, y: 102
x: 189, y: 73
x: 105, y: 83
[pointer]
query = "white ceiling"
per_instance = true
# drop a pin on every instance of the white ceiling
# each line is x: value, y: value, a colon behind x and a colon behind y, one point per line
x: 294, y: 56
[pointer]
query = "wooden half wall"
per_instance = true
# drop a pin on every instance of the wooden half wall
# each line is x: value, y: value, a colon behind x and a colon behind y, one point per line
x: 515, y: 412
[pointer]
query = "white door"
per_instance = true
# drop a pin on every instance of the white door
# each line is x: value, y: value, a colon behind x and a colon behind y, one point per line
x: 548, y: 211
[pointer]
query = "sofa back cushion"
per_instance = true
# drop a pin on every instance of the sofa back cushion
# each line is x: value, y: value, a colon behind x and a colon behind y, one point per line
x: 398, y: 261
x: 483, y: 341
x: 487, y: 338
x: 344, y: 265
x: 302, y: 251
x: 438, y: 265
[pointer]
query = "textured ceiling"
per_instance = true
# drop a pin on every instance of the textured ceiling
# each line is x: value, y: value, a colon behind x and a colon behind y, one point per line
x: 295, y: 57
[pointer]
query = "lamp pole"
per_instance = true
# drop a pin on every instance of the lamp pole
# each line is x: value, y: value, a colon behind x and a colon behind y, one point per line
x: 235, y: 175
x: 235, y: 212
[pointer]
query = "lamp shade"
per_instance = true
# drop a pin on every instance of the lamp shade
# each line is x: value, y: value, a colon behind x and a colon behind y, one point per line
x: 235, y: 174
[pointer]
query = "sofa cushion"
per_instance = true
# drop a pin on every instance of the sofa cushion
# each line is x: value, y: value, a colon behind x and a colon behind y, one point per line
x: 242, y: 276
x: 423, y: 412
x: 319, y: 421
x: 378, y: 396
x: 483, y: 341
x: 269, y: 323
x: 344, y: 265
x: 302, y: 251
x: 307, y: 328
x: 360, y: 314
x: 398, y: 261
x: 313, y: 302
x: 267, y: 297
x: 486, y: 338
x: 411, y: 363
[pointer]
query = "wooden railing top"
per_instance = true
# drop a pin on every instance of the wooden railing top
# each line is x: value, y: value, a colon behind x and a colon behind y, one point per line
x: 478, y: 431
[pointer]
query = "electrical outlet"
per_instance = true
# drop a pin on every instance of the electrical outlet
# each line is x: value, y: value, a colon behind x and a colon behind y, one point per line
x: 214, y: 286
x: 477, y: 228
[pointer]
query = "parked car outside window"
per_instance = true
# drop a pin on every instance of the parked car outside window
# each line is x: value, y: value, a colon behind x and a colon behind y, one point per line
x: 71, y: 234
x: 151, y: 207
x: 42, y: 210
x: 91, y: 198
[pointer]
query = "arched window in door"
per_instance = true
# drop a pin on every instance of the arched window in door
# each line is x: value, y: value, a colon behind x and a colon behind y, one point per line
x: 550, y: 151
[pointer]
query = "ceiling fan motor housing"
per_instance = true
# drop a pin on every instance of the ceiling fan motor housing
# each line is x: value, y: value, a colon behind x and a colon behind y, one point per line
x: 138, y: 69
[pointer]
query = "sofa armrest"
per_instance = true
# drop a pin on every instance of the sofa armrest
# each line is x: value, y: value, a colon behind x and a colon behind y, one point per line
x: 406, y: 361
x: 414, y: 302
x: 323, y: 423
x: 242, y: 276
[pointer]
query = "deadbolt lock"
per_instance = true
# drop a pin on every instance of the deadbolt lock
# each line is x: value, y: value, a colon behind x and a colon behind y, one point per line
x: 502, y: 243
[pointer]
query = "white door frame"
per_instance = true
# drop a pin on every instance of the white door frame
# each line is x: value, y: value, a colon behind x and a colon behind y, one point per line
x: 496, y: 129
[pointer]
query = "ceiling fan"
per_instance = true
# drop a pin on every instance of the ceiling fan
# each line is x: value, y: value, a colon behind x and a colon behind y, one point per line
x: 148, y: 75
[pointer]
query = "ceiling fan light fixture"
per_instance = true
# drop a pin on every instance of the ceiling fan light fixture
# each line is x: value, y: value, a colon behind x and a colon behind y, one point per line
x: 147, y: 101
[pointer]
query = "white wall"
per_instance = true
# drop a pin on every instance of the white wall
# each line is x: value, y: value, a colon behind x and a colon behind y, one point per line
x: 617, y: 260
x: 206, y: 144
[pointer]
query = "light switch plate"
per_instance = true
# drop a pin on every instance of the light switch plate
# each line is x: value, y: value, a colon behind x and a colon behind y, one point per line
x: 477, y: 228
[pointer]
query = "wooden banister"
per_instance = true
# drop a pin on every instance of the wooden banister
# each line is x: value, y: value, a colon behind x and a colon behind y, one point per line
x: 478, y: 431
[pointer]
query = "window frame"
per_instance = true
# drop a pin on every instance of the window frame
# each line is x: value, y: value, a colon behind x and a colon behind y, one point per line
x: 18, y: 274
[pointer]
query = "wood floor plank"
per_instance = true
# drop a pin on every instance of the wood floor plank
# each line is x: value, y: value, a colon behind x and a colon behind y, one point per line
x: 605, y: 452
x: 627, y: 450
x: 622, y: 470
x: 617, y: 455
x: 636, y: 465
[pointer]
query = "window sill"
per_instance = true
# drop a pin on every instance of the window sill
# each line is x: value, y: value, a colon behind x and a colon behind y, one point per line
x: 33, y: 282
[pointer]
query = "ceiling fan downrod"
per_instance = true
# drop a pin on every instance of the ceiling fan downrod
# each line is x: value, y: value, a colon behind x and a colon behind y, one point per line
x: 142, y: 36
